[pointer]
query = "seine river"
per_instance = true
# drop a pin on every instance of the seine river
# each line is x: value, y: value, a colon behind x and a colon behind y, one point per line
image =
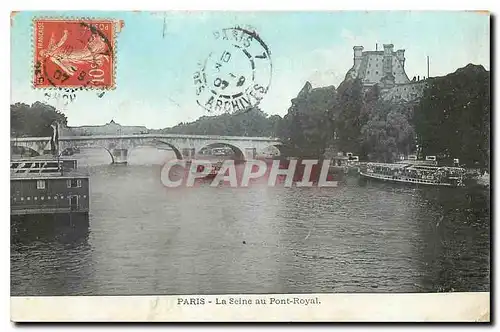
x: 143, y: 238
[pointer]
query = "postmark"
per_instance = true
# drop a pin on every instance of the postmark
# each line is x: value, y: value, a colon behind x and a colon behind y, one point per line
x: 74, y: 53
x: 236, y: 74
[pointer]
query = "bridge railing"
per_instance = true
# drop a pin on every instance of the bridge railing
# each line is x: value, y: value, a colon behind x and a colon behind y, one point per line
x: 152, y: 136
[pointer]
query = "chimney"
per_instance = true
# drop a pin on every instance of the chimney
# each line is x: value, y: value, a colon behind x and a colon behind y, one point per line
x: 358, y: 55
x: 400, y: 54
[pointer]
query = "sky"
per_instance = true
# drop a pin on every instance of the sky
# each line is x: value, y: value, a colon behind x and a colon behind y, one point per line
x: 155, y: 64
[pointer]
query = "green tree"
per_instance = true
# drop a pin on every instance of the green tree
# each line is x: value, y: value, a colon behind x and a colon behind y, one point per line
x: 308, y: 127
x: 453, y: 117
x: 388, y: 132
x: 250, y: 122
x: 348, y: 115
x: 34, y: 120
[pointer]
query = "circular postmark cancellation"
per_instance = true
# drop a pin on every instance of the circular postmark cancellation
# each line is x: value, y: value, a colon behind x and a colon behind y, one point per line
x: 236, y: 74
x: 74, y: 54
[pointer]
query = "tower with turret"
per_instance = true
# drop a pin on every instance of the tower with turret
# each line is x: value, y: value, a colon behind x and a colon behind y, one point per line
x: 385, y: 68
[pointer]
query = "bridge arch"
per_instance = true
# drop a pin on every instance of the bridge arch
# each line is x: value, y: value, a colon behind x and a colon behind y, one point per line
x: 110, y: 154
x: 178, y: 153
x: 273, y: 150
x: 96, y: 147
x: 239, y: 153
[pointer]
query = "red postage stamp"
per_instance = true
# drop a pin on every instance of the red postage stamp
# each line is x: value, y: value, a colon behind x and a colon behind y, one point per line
x: 74, y: 53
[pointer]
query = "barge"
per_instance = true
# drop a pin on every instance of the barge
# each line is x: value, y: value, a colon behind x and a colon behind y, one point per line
x: 48, y: 186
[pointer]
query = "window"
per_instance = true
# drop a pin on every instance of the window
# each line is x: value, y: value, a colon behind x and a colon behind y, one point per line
x: 376, y: 72
x: 40, y: 184
x: 74, y: 183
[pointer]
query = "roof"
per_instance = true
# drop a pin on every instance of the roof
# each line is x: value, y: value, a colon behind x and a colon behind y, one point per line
x: 41, y: 158
x: 414, y: 166
x: 71, y: 174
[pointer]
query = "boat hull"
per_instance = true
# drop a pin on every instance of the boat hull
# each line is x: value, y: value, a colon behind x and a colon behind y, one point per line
x: 406, y: 181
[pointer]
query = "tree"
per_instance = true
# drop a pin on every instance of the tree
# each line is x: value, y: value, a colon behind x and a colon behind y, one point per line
x: 453, y: 117
x: 34, y: 120
x: 250, y: 122
x: 307, y: 127
x: 388, y: 132
x: 348, y: 116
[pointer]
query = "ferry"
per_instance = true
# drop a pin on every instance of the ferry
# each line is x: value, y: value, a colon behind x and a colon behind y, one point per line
x: 41, y: 186
x: 423, y: 172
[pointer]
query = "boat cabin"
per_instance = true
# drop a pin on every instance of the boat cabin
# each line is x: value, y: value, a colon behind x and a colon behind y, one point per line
x: 48, y: 186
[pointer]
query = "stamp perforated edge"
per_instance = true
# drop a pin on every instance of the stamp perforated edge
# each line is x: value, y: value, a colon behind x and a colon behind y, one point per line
x: 76, y: 19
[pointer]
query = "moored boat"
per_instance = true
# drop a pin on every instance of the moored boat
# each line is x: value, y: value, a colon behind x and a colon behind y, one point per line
x: 48, y: 186
x: 416, y: 172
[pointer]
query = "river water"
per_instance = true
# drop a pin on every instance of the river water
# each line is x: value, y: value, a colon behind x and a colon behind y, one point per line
x: 144, y: 239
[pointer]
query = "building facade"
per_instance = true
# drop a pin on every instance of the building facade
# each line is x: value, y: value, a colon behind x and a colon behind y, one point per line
x: 387, y: 69
x: 110, y: 128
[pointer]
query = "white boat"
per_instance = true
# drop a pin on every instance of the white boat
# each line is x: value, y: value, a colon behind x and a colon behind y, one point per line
x: 416, y: 172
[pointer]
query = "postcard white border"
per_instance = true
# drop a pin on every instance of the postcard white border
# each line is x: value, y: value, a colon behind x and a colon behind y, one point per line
x: 451, y: 304
x: 417, y: 307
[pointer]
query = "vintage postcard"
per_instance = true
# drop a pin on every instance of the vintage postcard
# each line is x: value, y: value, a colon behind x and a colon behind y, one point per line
x: 250, y: 166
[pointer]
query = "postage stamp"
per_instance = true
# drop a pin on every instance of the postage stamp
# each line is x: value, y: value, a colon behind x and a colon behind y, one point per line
x: 236, y: 74
x: 74, y: 53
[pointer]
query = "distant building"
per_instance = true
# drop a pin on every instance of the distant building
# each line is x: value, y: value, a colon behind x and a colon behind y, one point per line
x: 111, y: 128
x: 387, y: 69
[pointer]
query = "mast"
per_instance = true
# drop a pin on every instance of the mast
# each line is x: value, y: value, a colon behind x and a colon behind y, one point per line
x: 54, y: 140
x: 427, y: 66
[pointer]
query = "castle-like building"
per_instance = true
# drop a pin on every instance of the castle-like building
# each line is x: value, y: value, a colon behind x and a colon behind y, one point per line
x: 387, y: 69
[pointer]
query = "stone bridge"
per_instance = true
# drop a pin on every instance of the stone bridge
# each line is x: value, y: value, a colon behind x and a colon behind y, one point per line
x: 184, y: 146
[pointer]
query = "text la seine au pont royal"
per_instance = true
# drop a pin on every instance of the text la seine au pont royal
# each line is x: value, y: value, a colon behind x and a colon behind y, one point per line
x: 246, y: 301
